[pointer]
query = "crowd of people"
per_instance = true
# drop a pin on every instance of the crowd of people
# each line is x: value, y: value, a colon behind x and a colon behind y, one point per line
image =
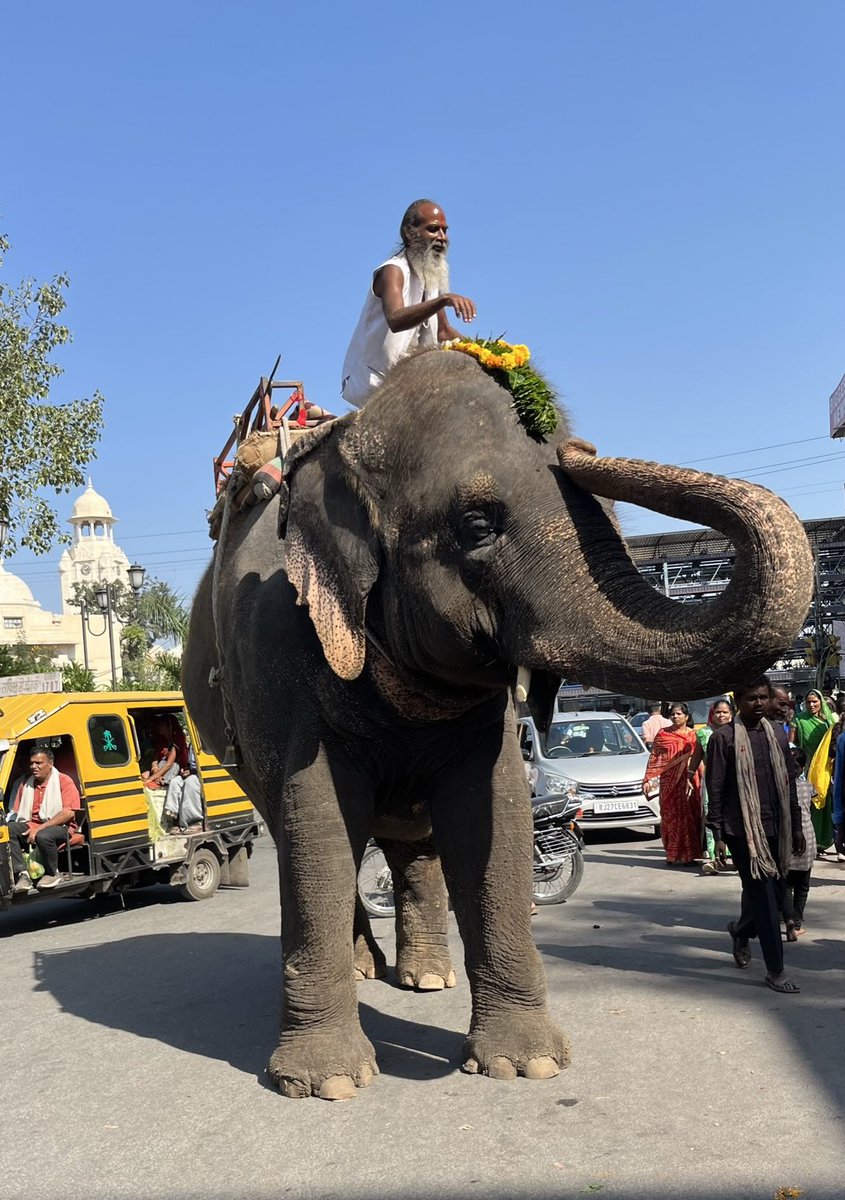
x: 757, y: 791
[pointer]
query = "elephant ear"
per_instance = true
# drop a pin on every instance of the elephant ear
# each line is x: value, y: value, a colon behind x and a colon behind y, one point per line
x: 331, y: 553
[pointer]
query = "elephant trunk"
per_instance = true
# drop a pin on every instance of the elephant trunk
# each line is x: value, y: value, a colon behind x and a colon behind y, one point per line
x: 628, y: 637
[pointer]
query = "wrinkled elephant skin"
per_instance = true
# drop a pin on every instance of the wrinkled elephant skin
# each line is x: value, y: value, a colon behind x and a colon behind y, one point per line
x: 431, y: 547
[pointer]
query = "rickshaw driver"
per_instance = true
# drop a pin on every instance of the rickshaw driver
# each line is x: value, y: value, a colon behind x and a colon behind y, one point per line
x: 43, y: 814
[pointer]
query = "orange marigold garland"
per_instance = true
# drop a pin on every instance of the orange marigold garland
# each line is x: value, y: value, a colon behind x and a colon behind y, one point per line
x: 533, y: 399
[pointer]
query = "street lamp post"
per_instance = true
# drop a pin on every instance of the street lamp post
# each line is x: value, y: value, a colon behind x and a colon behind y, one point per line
x: 104, y: 596
x: 83, y: 612
x: 106, y: 599
x: 4, y: 529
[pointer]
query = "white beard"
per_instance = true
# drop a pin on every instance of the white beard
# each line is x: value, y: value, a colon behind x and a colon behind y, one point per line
x: 431, y: 267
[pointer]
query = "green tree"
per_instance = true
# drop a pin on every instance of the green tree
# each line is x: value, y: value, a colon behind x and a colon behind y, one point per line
x: 169, y: 668
x: 43, y: 447
x: 76, y: 678
x: 155, y: 620
x: 22, y: 659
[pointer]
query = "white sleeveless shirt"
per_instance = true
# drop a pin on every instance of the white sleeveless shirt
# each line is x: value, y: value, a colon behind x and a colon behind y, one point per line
x: 374, y: 349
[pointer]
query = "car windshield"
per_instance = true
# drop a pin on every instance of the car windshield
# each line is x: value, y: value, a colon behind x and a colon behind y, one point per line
x: 583, y: 738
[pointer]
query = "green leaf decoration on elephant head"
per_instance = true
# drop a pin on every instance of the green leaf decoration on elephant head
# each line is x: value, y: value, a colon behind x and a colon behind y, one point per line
x: 534, y: 399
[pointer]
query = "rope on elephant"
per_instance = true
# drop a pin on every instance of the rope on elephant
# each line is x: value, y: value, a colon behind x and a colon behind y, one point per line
x: 258, y: 471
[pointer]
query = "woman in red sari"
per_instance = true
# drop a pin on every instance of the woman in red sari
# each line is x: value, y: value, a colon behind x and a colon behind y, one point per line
x: 680, y: 797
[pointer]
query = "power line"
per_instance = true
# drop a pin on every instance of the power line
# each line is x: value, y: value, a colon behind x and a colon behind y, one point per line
x: 690, y: 462
x: 134, y: 537
x: 150, y: 562
x: 797, y: 464
x: 810, y: 489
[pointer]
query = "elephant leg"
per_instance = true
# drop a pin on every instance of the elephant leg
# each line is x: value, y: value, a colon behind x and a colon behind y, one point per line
x: 486, y: 846
x: 422, y: 906
x: 322, y: 1049
x: 368, y: 956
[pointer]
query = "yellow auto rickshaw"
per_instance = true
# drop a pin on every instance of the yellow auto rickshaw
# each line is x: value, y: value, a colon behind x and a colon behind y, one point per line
x: 102, y: 741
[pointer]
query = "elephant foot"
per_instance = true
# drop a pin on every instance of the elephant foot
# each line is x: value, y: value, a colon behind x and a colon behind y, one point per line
x: 331, y: 1066
x: 425, y: 971
x: 516, y: 1043
x: 369, y: 961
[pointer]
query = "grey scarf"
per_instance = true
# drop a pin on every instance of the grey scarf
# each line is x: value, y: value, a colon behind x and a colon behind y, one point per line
x: 762, y: 863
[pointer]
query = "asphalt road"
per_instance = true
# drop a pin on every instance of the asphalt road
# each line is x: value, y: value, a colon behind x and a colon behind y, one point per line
x: 134, y: 1045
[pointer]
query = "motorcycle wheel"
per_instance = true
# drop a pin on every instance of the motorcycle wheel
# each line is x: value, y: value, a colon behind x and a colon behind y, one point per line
x: 553, y: 885
x: 375, y: 883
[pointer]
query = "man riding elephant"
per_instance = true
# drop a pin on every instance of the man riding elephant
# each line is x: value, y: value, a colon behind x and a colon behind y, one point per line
x: 406, y: 303
x: 366, y: 664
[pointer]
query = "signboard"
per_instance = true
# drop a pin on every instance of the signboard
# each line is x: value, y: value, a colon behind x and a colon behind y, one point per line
x: 837, y: 410
x: 24, y: 685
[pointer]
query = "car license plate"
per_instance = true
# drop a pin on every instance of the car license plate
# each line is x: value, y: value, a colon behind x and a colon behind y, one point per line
x: 615, y: 806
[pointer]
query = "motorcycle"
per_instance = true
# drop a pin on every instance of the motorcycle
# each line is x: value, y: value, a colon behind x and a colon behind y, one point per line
x: 558, y: 859
x: 558, y: 848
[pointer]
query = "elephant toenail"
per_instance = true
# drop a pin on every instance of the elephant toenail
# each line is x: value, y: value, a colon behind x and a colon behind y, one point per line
x: 337, y: 1087
x: 294, y: 1089
x: 450, y: 979
x: 431, y: 983
x: 543, y: 1067
x: 470, y: 1066
x: 365, y: 1076
x: 501, y: 1068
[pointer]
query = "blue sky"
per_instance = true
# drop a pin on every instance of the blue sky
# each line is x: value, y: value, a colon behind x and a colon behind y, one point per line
x: 649, y: 193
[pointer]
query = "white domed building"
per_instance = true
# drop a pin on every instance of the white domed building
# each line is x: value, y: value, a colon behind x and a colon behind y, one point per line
x: 92, y: 558
x: 23, y: 608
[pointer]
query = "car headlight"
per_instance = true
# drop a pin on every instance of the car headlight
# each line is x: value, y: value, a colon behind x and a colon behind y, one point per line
x: 560, y: 785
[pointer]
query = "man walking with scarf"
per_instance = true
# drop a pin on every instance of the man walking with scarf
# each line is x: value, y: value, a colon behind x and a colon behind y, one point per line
x: 43, y: 814
x: 754, y: 812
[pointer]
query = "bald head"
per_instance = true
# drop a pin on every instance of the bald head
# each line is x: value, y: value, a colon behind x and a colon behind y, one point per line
x: 417, y: 214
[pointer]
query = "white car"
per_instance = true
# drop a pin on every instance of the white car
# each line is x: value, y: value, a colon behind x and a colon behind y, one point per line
x: 599, y: 758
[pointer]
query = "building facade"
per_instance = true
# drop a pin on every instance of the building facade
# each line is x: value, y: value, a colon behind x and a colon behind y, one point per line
x: 92, y: 558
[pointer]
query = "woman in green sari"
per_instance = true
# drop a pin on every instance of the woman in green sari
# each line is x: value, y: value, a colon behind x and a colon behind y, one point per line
x: 721, y: 713
x: 812, y: 722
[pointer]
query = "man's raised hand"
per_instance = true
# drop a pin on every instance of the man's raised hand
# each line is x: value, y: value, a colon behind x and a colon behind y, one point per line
x: 463, y: 306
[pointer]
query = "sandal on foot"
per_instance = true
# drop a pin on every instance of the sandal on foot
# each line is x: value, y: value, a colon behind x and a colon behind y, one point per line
x: 787, y: 986
x: 742, y: 955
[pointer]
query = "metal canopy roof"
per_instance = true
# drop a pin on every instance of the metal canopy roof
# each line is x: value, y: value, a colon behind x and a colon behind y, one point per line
x: 707, y: 544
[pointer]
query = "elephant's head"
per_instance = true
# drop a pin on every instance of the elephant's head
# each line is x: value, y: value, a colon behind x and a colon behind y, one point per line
x: 468, y: 549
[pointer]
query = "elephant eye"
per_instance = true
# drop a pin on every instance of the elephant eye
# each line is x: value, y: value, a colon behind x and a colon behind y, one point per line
x: 479, y: 528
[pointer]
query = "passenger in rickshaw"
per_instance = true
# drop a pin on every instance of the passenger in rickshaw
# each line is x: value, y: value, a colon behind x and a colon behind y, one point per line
x: 182, y: 811
x: 165, y: 765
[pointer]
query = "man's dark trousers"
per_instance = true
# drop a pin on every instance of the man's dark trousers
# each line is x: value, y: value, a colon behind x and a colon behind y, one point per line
x: 761, y: 902
x: 47, y: 840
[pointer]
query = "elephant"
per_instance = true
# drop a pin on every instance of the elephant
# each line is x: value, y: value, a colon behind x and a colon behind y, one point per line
x: 355, y: 647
